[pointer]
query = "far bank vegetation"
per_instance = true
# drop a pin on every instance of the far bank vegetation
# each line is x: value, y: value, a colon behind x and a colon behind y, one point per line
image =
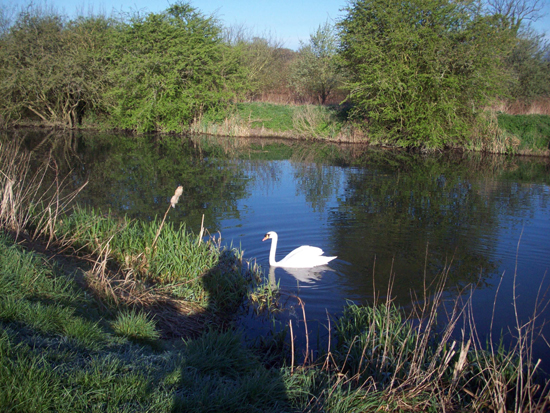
x: 435, y: 79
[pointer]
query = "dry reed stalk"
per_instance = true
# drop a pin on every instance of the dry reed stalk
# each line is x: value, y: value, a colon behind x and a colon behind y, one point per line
x: 201, y: 233
x: 329, y: 353
x: 22, y: 191
x: 291, y: 348
x: 305, y: 327
x: 540, y: 106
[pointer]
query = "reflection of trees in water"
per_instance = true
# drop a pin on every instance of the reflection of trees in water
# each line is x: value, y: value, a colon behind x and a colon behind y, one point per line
x: 137, y: 175
x: 319, y: 183
x: 448, y: 209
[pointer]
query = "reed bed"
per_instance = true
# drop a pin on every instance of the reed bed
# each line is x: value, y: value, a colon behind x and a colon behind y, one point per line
x: 386, y: 359
x: 177, y: 261
x: 540, y: 106
x: 25, y: 200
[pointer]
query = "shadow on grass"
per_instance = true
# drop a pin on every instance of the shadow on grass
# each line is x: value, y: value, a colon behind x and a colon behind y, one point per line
x: 197, y: 363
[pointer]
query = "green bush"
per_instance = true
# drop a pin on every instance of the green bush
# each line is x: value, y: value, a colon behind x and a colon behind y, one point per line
x: 421, y: 71
x: 169, y: 68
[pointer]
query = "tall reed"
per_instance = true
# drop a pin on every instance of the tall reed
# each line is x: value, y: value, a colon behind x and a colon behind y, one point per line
x: 387, y: 359
x: 28, y: 203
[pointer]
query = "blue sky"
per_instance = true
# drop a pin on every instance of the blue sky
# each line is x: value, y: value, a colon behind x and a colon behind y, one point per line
x: 288, y: 21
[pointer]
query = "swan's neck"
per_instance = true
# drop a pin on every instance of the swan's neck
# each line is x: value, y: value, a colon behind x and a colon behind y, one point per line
x: 273, y: 250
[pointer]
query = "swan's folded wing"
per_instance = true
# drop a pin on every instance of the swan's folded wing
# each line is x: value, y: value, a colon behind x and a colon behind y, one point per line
x: 303, y: 257
x: 305, y: 251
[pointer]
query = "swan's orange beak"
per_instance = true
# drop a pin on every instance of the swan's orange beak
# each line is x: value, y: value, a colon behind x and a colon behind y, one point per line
x: 266, y: 237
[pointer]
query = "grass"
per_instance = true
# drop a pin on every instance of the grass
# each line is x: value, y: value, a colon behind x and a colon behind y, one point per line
x: 60, y: 351
x: 521, y: 134
x: 178, y: 261
x: 277, y: 118
x: 532, y: 130
x: 287, y: 121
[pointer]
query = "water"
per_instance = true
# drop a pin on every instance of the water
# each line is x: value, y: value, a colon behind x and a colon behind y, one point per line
x: 484, y: 220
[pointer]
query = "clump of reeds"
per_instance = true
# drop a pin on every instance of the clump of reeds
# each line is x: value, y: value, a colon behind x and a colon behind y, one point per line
x: 388, y: 360
x: 232, y: 125
x: 180, y: 264
x: 27, y: 202
x: 136, y: 326
x: 313, y: 122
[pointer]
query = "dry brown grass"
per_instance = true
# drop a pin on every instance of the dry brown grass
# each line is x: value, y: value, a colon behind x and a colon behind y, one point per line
x: 25, y: 196
x: 541, y: 106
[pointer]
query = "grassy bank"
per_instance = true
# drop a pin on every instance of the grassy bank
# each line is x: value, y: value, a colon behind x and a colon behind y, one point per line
x: 61, y: 351
x: 533, y: 131
x: 310, y: 122
x: 503, y: 133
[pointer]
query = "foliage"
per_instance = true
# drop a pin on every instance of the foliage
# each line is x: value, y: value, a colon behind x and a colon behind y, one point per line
x: 421, y: 71
x: 169, y: 68
x: 314, y: 72
x: 52, y: 69
x: 264, y: 60
x: 530, y: 65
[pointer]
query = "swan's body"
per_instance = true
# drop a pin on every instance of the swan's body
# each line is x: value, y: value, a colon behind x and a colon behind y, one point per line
x: 302, y: 257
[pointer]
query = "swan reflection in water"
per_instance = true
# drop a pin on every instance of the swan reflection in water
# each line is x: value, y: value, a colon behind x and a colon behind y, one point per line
x: 302, y: 275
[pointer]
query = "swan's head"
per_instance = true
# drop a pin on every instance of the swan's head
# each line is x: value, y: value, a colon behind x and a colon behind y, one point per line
x: 270, y: 235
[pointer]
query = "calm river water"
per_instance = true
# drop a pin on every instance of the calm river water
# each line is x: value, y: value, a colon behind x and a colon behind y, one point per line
x: 484, y: 220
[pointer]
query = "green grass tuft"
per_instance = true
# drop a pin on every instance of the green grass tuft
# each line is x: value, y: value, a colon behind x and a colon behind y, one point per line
x: 136, y: 326
x: 194, y: 270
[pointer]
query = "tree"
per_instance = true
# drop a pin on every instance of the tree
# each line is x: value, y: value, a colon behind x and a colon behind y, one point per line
x: 530, y: 65
x: 515, y: 12
x: 52, y: 69
x: 314, y: 72
x: 263, y: 59
x: 421, y: 71
x: 528, y: 61
x: 169, y: 68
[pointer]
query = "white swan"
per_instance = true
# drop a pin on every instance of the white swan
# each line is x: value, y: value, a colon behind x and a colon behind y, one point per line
x: 302, y: 257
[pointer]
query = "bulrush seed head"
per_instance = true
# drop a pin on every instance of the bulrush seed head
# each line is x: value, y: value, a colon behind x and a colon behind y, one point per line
x: 176, y: 197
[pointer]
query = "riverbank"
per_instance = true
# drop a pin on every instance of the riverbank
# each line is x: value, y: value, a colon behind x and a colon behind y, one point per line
x: 62, y: 350
x: 90, y: 334
x: 502, y: 133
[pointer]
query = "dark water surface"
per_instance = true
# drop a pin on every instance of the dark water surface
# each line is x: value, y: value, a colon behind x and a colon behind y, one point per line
x: 485, y: 220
